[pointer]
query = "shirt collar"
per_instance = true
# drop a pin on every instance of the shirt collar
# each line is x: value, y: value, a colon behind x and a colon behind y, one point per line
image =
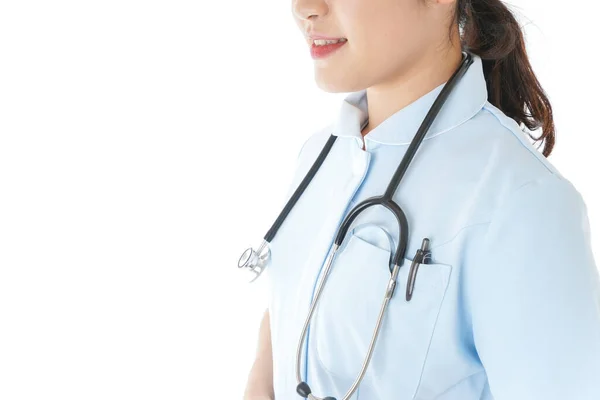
x: 466, y: 99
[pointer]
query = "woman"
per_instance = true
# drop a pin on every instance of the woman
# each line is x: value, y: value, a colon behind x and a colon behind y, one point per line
x: 508, y: 305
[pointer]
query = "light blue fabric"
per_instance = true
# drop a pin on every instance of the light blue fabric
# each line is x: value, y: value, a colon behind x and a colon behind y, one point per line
x: 508, y: 310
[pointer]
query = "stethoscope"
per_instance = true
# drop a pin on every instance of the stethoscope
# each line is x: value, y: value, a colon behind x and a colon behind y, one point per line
x: 256, y: 261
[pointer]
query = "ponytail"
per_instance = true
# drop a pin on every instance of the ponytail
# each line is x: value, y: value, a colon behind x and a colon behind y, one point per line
x: 490, y: 30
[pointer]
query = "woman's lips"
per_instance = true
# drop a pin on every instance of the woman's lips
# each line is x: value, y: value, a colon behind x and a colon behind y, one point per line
x: 322, y: 51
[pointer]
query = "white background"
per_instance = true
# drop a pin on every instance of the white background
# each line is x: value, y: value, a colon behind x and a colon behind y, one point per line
x: 144, y: 145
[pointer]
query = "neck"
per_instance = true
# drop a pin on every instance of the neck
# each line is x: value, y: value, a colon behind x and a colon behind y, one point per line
x: 421, y: 77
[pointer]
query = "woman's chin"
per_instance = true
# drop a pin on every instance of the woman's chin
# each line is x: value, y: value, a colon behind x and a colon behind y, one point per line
x: 332, y: 82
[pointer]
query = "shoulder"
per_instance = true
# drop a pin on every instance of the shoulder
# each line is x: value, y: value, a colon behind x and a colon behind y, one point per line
x: 498, y: 165
x: 314, y: 142
x: 533, y: 184
x: 504, y: 141
x: 311, y: 147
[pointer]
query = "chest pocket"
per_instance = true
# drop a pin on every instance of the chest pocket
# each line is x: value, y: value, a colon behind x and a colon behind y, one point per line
x: 347, y: 313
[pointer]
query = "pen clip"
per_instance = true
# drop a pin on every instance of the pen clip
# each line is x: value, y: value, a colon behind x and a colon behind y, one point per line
x: 421, y: 256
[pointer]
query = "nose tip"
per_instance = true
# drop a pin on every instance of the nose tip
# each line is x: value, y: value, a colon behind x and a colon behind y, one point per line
x: 309, y: 9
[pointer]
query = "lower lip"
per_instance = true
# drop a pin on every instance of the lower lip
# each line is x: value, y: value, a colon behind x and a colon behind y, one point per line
x: 318, y: 52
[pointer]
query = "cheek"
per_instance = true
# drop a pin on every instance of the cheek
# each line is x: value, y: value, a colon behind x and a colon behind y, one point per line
x: 384, y: 29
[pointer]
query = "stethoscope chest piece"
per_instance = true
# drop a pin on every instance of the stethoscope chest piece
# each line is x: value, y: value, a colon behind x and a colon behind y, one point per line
x: 255, y: 261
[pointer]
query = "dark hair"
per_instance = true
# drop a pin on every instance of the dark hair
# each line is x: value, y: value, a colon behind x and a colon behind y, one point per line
x: 490, y: 30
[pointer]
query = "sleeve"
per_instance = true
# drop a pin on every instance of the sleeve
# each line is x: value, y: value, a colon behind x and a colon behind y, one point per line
x: 533, y: 293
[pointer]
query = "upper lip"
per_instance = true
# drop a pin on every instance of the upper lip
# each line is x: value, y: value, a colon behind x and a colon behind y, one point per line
x: 314, y: 35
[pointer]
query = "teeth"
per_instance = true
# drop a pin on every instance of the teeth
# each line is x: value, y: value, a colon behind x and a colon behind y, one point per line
x: 322, y: 42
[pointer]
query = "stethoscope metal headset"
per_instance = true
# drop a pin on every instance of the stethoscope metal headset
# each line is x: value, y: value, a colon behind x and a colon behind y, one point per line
x: 256, y: 261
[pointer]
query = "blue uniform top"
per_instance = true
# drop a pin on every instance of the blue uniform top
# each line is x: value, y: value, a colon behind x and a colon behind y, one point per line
x: 509, y: 308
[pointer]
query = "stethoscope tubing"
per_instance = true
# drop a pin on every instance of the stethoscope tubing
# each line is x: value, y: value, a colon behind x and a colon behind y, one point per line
x: 256, y: 261
x: 385, y: 200
x: 300, y: 189
x: 367, y: 360
x: 396, y: 178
